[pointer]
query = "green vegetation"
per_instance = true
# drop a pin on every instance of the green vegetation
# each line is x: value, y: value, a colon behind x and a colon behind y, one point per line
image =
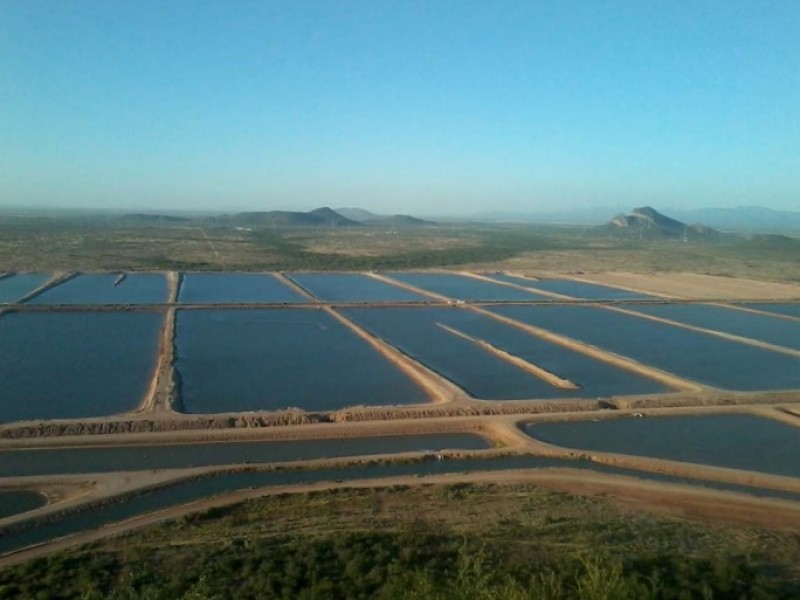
x: 430, y: 542
x: 96, y: 243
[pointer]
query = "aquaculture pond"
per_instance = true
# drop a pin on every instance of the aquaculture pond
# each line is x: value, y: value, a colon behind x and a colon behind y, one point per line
x: 574, y: 289
x: 702, y: 357
x: 354, y: 287
x: 16, y: 502
x: 790, y: 310
x: 242, y: 360
x: 237, y: 288
x: 463, y: 287
x: 177, y: 456
x: 732, y: 441
x: 69, y: 365
x: 34, y: 532
x: 422, y: 334
x: 15, y: 287
x: 108, y: 288
x: 728, y: 320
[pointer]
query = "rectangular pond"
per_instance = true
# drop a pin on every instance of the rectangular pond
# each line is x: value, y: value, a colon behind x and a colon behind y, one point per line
x: 573, y: 289
x: 419, y: 334
x: 701, y: 357
x: 729, y: 320
x: 16, y: 502
x: 245, y: 360
x: 70, y: 365
x: 38, y: 531
x: 790, y: 310
x: 463, y: 287
x: 353, y: 287
x: 108, y: 288
x: 15, y: 463
x: 595, y: 378
x: 191, y: 490
x: 732, y: 441
x: 238, y: 288
x: 15, y: 287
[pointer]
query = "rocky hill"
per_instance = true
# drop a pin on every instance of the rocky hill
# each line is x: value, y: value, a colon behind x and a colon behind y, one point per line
x: 648, y: 223
x: 369, y: 218
x: 321, y: 217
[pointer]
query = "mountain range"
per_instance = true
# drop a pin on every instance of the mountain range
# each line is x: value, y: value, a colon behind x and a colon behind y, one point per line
x: 747, y: 219
x: 320, y: 217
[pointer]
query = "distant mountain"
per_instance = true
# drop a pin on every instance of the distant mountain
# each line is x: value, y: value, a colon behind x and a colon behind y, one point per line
x: 320, y: 217
x: 586, y: 215
x: 648, y: 223
x: 399, y: 221
x: 369, y: 218
x: 744, y: 218
x: 358, y: 214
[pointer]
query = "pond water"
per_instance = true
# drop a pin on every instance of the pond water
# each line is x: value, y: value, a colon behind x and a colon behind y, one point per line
x: 244, y: 360
x: 791, y: 310
x: 353, y: 287
x: 729, y: 320
x: 595, y: 378
x: 698, y: 356
x: 13, y: 288
x: 574, y: 289
x: 417, y: 333
x: 177, y: 456
x: 462, y: 287
x: 14, y: 503
x: 70, y: 365
x: 189, y: 491
x: 732, y: 441
x: 107, y: 288
x: 40, y: 531
x: 241, y: 288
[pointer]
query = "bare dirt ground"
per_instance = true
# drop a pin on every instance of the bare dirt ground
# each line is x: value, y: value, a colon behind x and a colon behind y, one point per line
x: 697, y: 286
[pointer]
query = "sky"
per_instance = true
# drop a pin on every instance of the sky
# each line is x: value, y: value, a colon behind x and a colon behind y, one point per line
x: 423, y: 107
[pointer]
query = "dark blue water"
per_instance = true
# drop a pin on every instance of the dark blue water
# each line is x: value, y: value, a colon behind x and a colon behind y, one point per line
x: 39, y: 531
x: 99, y: 288
x: 732, y: 441
x: 574, y: 289
x: 244, y: 288
x: 15, y: 463
x: 415, y: 332
x: 14, y: 503
x: 698, y: 356
x: 70, y: 365
x: 728, y: 320
x: 243, y: 360
x: 792, y: 310
x: 595, y: 378
x: 461, y: 287
x: 353, y: 287
x: 15, y: 287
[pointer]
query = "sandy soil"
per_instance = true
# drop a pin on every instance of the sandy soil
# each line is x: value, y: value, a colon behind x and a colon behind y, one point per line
x: 697, y: 286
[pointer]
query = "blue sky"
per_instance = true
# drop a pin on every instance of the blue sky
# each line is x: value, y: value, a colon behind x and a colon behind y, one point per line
x: 451, y: 106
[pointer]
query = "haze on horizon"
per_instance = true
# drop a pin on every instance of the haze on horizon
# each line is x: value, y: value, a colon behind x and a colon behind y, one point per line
x: 415, y: 107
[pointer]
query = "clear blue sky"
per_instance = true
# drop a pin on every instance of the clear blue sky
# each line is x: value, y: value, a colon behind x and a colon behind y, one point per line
x: 448, y: 106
